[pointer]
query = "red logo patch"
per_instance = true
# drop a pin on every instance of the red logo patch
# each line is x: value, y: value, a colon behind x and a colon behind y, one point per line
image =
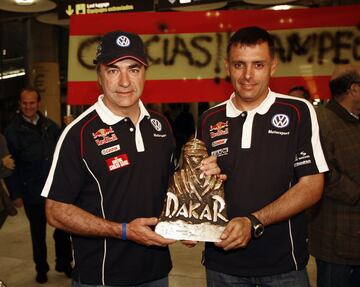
x: 219, y: 129
x: 104, y: 136
x: 117, y: 162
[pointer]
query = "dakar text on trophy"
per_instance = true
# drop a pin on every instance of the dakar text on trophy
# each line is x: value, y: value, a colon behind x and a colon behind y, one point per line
x: 194, y: 208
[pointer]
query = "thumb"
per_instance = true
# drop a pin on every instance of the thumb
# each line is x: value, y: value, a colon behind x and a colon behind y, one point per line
x: 150, y: 221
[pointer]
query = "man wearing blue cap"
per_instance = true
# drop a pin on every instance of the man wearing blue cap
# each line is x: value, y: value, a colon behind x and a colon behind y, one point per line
x: 110, y: 174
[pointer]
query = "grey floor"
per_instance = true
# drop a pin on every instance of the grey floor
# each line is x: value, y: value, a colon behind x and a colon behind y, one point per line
x: 17, y: 269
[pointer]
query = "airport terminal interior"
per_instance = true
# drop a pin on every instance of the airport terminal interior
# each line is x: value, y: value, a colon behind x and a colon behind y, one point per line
x: 35, y: 33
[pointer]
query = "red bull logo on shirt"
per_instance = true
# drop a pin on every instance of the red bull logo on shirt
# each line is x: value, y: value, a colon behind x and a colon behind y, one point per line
x: 219, y: 129
x: 104, y: 136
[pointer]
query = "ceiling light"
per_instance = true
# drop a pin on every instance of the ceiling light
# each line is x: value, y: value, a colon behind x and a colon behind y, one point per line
x: 24, y: 2
x: 12, y: 74
x: 268, y: 2
x: 280, y: 7
x: 285, y: 7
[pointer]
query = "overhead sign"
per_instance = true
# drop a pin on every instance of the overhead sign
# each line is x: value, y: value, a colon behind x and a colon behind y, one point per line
x: 67, y: 8
x: 186, y: 50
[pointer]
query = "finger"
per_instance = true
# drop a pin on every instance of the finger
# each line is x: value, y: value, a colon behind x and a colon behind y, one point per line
x: 158, y: 240
x: 212, y: 171
x: 222, y: 176
x: 189, y: 243
x: 209, y: 160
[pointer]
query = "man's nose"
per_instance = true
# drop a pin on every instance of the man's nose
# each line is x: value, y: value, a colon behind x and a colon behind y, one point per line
x: 248, y: 72
x: 124, y: 80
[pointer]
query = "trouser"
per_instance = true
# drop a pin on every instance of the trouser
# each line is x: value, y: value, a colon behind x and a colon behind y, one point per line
x: 37, y: 219
x: 293, y: 279
x: 337, y: 275
x: 163, y: 282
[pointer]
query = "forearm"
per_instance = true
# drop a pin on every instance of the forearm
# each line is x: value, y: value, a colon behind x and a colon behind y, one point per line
x: 298, y: 198
x: 76, y: 220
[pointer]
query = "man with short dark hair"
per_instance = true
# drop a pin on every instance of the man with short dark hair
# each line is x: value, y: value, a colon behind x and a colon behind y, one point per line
x: 110, y: 175
x: 268, y: 145
x: 334, y: 229
x: 31, y: 139
x: 299, y: 92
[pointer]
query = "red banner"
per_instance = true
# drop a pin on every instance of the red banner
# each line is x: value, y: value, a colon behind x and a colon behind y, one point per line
x: 186, y: 50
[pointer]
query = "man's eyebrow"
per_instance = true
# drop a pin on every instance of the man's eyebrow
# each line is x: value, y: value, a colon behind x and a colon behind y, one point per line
x: 136, y: 65
x: 112, y: 66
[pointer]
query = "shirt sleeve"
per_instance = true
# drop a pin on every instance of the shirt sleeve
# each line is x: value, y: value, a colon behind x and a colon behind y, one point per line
x: 309, y: 157
x: 67, y: 172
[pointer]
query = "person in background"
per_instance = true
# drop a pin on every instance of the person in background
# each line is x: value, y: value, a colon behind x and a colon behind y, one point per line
x: 32, y: 138
x: 268, y: 145
x: 110, y: 174
x: 299, y: 92
x: 334, y: 228
x: 7, y: 165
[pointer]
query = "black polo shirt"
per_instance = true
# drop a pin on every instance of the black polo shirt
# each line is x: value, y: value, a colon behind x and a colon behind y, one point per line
x: 263, y: 152
x: 117, y: 171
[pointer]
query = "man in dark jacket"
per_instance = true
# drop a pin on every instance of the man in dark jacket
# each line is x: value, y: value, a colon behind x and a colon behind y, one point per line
x: 31, y: 139
x: 334, y: 230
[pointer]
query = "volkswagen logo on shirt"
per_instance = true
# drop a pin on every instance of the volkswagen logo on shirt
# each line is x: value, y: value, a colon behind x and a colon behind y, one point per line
x: 280, y: 121
x: 156, y: 124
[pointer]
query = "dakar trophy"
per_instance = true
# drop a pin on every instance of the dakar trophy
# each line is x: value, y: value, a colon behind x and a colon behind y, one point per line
x: 194, y: 207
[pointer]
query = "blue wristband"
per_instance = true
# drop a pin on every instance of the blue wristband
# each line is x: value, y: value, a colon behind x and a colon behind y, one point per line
x: 123, y: 231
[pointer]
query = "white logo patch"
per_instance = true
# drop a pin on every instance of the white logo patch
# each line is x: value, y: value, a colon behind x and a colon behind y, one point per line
x: 123, y: 41
x: 218, y: 142
x: 280, y: 121
x: 156, y: 124
x: 220, y: 152
x: 111, y: 149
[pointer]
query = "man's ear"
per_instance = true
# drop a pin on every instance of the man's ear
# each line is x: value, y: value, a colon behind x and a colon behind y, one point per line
x: 354, y: 88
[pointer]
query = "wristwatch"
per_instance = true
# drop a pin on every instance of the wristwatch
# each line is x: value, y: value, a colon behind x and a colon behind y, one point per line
x: 257, y: 228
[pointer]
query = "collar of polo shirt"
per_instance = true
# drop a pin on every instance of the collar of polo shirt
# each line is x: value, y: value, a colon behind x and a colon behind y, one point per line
x: 233, y: 112
x: 110, y: 118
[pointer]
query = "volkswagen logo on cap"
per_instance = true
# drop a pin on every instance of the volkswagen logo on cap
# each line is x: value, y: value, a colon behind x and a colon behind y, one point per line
x: 280, y: 121
x: 122, y: 41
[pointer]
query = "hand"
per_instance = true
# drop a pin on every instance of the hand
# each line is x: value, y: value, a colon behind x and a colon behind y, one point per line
x: 210, y: 167
x: 8, y: 162
x: 237, y: 234
x: 18, y: 202
x: 189, y: 243
x: 139, y: 231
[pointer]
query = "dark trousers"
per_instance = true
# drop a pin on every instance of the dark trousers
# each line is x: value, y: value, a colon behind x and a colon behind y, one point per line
x: 337, y: 275
x: 37, y: 219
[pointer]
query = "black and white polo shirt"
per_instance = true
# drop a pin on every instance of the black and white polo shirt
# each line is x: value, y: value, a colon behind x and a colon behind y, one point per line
x: 107, y: 166
x: 263, y: 152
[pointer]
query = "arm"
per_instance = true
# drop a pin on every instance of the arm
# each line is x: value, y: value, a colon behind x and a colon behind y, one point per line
x: 7, y: 163
x: 76, y: 220
x: 299, y: 197
x: 339, y: 185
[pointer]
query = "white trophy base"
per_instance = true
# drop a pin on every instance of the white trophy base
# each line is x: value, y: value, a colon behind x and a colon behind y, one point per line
x: 181, y: 230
